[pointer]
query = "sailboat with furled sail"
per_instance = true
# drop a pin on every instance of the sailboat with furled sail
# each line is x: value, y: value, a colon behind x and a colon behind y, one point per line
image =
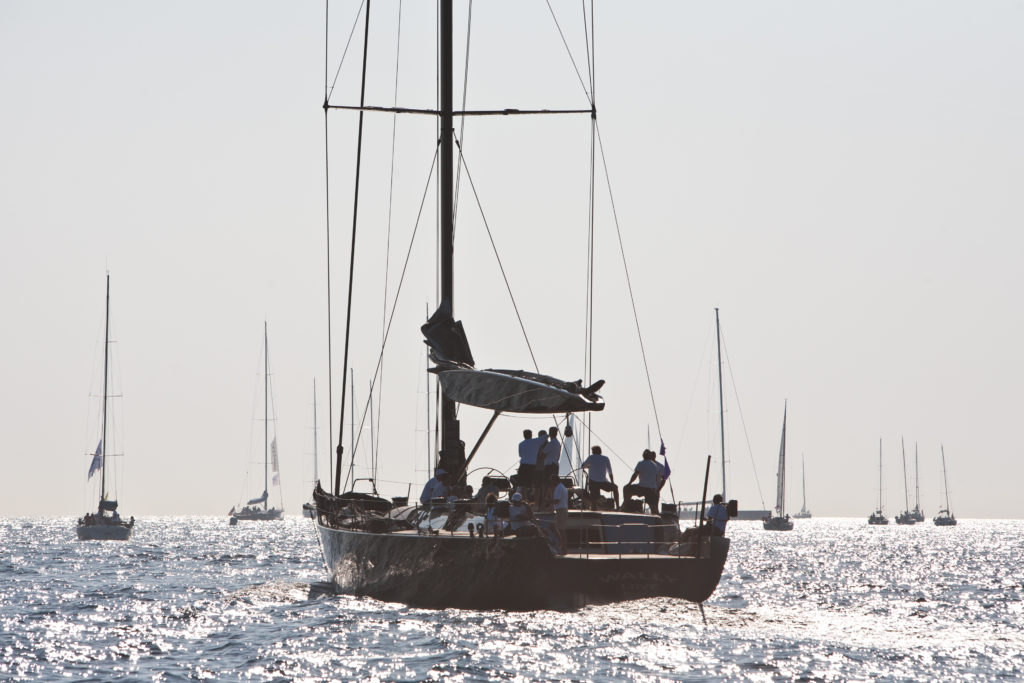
x: 455, y: 550
x: 906, y: 517
x: 945, y: 516
x: 309, y: 509
x: 258, y: 509
x: 917, y: 512
x: 780, y: 521
x: 804, y: 512
x: 105, y: 524
x: 878, y: 518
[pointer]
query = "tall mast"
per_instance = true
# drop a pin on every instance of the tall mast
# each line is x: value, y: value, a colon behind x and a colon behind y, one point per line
x: 452, y: 450
x: 316, y: 477
x: 780, y: 490
x: 103, y: 432
x: 803, y: 482
x: 721, y: 409
x: 945, y: 481
x: 917, y: 483
x: 266, y: 416
x: 879, y: 475
x: 906, y: 492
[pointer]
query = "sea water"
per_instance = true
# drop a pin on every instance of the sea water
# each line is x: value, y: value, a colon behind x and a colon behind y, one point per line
x: 192, y: 598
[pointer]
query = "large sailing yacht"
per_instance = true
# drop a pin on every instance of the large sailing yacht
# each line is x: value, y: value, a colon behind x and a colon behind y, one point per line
x: 448, y: 552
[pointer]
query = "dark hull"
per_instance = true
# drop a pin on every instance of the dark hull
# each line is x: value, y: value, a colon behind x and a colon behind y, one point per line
x: 258, y: 516
x: 777, y: 524
x: 106, y: 530
x: 457, y: 570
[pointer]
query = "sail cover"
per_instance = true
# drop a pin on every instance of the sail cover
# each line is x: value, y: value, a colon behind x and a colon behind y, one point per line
x: 257, y: 501
x: 507, y: 391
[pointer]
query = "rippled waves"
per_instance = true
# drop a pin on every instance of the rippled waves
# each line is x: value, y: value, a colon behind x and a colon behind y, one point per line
x: 195, y: 599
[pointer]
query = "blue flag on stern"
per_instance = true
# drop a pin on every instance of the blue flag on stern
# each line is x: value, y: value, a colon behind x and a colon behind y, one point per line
x: 97, y: 460
x: 668, y: 470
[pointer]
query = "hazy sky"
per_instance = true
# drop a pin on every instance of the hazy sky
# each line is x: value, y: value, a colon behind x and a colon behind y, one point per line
x: 843, y: 180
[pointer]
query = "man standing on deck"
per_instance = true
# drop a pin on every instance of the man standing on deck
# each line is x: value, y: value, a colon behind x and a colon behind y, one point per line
x: 561, y: 499
x: 717, y: 515
x: 550, y: 454
x: 529, y: 447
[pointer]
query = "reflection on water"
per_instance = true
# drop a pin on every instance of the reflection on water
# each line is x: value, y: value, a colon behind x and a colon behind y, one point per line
x: 192, y: 598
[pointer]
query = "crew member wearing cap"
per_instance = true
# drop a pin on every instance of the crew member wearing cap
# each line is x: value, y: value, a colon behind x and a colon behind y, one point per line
x: 520, y: 517
x: 436, y: 487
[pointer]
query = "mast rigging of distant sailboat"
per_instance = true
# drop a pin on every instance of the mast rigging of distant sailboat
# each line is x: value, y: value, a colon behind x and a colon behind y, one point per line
x: 906, y: 517
x: 780, y: 521
x: 258, y: 509
x: 804, y: 512
x: 877, y: 517
x: 105, y: 524
x: 945, y: 517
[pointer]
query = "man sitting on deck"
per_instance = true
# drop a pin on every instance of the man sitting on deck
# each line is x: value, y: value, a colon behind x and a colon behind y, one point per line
x: 436, y: 487
x: 599, y: 477
x: 520, y: 517
x: 649, y: 486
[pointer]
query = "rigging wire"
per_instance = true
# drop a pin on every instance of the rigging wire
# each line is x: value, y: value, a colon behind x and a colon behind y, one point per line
x: 462, y: 119
x: 341, y: 62
x: 568, y: 51
x: 398, y: 290
x: 327, y: 217
x: 750, y: 451
x: 387, y: 245
x: 497, y: 256
x: 629, y: 283
x: 352, y: 255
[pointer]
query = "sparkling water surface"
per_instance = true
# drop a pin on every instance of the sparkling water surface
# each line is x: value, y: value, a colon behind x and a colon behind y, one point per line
x: 191, y: 598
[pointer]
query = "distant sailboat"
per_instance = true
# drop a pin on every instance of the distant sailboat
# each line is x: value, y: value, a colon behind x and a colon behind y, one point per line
x: 781, y: 521
x: 804, y: 512
x: 917, y: 512
x: 905, y: 517
x: 878, y: 517
x: 309, y: 509
x: 105, y: 524
x: 945, y: 517
x: 258, y: 509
